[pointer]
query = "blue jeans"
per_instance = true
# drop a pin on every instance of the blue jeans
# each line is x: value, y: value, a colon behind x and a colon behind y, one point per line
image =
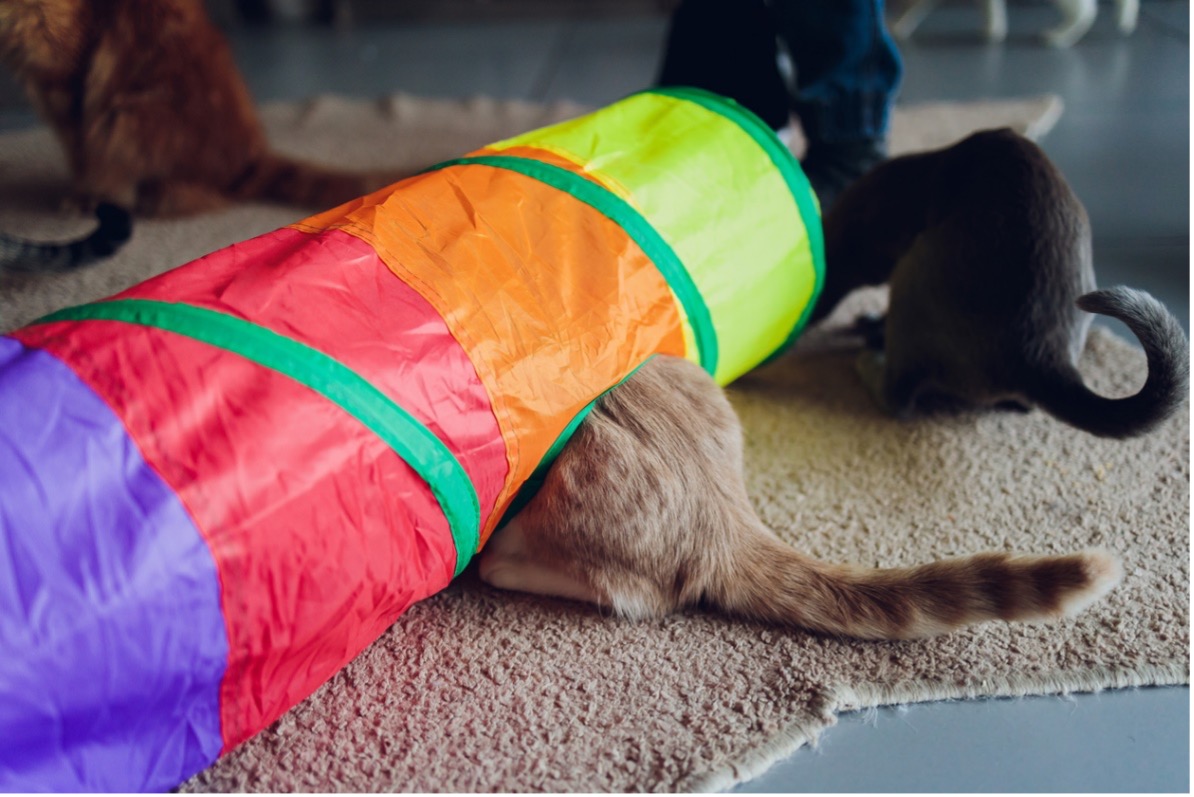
x: 847, y: 68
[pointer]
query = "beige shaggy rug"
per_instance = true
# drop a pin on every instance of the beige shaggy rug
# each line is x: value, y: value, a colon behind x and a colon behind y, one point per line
x: 478, y: 690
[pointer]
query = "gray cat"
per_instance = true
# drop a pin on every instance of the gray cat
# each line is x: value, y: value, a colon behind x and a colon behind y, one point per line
x: 988, y: 254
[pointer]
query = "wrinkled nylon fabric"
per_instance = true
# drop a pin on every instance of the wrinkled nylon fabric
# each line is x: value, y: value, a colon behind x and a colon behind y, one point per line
x: 488, y: 305
x: 745, y: 243
x: 553, y: 301
x: 321, y: 536
x: 109, y: 591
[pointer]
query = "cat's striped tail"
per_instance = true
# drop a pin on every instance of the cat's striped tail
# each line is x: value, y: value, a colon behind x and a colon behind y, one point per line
x: 18, y: 255
x: 772, y: 582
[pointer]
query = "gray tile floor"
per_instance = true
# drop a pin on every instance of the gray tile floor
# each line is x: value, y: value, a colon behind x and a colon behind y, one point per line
x: 1124, y: 143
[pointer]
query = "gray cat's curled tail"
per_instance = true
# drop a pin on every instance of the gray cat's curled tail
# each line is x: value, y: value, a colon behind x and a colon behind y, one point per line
x: 32, y: 257
x: 1066, y: 397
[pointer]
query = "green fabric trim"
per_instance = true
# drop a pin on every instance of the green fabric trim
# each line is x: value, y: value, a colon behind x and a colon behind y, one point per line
x: 798, y: 184
x: 412, y: 441
x: 638, y: 228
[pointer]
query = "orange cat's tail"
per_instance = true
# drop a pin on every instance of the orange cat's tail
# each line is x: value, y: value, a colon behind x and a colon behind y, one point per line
x: 278, y: 178
x: 774, y: 583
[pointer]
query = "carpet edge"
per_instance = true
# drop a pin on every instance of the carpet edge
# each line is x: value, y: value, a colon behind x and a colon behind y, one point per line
x: 759, y: 759
x: 844, y: 699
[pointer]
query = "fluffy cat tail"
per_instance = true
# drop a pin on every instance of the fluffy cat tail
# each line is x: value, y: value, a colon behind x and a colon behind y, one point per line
x: 1064, y: 395
x: 278, y: 178
x: 774, y: 583
x: 115, y: 225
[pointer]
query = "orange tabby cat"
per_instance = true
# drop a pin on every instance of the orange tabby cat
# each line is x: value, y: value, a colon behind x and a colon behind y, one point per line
x: 646, y: 511
x: 148, y: 105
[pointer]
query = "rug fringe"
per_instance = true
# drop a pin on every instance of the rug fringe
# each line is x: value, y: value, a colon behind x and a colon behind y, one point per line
x: 843, y: 699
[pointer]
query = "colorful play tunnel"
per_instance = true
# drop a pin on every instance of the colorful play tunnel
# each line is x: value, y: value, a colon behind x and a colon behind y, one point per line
x: 219, y: 486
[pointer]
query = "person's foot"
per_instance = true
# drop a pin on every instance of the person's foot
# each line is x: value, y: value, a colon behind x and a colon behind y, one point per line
x: 832, y: 167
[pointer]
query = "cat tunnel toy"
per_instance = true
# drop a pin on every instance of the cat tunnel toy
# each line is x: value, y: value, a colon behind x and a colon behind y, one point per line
x: 219, y: 486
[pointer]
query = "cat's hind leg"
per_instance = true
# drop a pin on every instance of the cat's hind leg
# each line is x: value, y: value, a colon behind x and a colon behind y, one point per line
x: 634, y: 510
x: 872, y: 328
x: 101, y: 186
x: 172, y: 198
x: 510, y: 561
x: 934, y: 349
x: 896, y: 388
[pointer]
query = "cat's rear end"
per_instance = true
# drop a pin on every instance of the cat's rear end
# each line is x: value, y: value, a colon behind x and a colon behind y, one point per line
x: 646, y: 511
x: 987, y: 251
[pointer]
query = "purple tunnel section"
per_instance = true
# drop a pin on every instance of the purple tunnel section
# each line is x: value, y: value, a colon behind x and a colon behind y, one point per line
x: 112, y: 641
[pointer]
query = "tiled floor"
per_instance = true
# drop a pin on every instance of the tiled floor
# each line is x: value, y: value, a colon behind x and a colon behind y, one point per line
x: 1124, y: 143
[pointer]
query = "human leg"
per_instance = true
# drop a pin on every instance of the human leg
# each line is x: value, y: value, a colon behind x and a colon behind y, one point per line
x: 728, y: 47
x: 847, y: 71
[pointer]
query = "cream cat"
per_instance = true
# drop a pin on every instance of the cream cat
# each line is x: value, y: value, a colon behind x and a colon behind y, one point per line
x: 646, y: 511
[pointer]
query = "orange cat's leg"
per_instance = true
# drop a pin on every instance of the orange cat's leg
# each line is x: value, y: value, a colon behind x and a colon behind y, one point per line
x: 177, y: 198
x: 101, y: 185
x: 128, y: 159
